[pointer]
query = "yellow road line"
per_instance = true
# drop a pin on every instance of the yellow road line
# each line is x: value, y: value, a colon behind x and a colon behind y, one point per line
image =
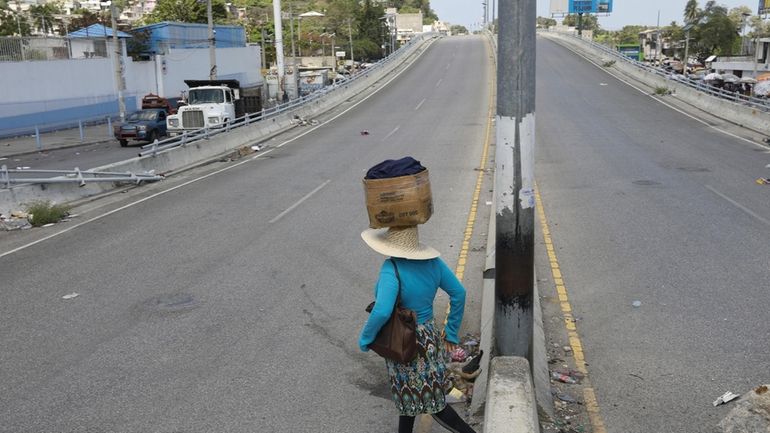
x: 592, y: 406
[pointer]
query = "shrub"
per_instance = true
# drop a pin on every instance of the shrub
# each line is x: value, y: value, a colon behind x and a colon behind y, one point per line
x: 42, y: 212
x: 662, y: 91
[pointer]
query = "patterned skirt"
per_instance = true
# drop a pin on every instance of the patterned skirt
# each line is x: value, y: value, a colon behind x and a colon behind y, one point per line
x: 418, y: 387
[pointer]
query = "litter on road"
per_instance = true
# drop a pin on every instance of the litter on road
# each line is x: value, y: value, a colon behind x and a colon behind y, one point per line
x: 70, y: 296
x: 637, y: 304
x: 725, y: 398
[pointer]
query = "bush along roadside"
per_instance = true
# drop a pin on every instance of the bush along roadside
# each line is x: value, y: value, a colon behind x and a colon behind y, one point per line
x: 42, y: 212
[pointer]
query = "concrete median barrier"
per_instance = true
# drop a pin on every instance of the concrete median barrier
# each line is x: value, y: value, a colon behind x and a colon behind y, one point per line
x: 510, y: 406
x: 177, y: 159
x: 733, y: 112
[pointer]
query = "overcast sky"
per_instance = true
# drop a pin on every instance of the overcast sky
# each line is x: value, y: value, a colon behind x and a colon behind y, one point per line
x: 642, y: 12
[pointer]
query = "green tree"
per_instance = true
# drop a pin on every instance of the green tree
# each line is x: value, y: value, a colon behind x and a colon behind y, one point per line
x: 10, y: 23
x: 83, y: 18
x: 629, y: 34
x: 590, y: 22
x: 458, y: 30
x: 187, y: 11
x: 545, y: 22
x: 370, y: 26
x: 43, y: 16
x: 716, y: 33
x: 691, y: 12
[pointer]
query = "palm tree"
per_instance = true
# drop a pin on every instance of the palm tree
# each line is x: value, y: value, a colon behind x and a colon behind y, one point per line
x: 691, y: 11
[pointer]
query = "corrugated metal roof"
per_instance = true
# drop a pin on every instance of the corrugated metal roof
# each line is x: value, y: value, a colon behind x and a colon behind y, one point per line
x: 96, y: 31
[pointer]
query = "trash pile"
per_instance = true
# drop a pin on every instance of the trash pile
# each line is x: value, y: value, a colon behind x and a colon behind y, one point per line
x: 463, y: 368
x: 17, y: 220
x: 570, y: 414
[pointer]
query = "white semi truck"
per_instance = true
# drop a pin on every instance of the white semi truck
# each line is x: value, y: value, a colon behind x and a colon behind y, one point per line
x: 213, y: 104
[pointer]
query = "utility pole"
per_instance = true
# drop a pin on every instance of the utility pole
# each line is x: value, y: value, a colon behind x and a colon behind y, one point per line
x: 657, y: 40
x: 493, y: 17
x: 686, y: 51
x: 350, y: 36
x: 279, y: 47
x: 514, y: 178
x: 117, y: 62
x: 262, y: 49
x: 293, y: 52
x: 212, y: 44
x: 580, y: 24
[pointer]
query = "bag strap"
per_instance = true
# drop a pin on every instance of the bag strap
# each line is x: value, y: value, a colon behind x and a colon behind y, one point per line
x: 398, y: 277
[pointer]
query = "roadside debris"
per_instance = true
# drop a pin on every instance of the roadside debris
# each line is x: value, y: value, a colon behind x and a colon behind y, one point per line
x: 725, y: 398
x: 458, y: 355
x: 636, y: 304
x: 763, y: 181
x: 18, y: 220
x: 563, y: 378
x: 749, y: 415
x: 70, y: 296
x: 240, y: 153
x: 462, y: 374
x: 365, y: 132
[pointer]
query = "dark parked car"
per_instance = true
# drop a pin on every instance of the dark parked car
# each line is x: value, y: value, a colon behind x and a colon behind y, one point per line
x: 142, y: 125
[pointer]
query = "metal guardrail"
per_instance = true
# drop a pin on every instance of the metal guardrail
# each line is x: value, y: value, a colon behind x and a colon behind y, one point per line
x: 206, y: 133
x: 73, y: 176
x: 757, y: 103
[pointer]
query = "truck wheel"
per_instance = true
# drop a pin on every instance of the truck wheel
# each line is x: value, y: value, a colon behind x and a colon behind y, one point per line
x: 123, y: 143
x: 153, y: 136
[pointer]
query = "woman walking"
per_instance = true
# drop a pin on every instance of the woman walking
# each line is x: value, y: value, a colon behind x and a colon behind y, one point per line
x: 419, y: 386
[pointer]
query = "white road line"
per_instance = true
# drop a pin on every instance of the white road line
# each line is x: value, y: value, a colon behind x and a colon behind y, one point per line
x: 739, y: 206
x: 730, y: 134
x: 391, y: 133
x: 419, y: 105
x: 98, y: 217
x: 438, y: 83
x: 294, y: 206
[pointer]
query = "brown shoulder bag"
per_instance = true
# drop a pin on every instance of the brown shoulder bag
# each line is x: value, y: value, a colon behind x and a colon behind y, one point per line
x: 397, y: 340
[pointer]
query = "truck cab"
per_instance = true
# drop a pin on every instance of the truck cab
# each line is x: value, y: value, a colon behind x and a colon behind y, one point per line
x: 209, y: 104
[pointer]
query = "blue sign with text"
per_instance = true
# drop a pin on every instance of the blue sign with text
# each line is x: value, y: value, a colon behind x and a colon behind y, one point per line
x: 590, y: 6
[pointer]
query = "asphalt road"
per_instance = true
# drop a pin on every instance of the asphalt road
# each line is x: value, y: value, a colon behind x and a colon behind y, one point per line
x: 233, y: 303
x: 646, y: 204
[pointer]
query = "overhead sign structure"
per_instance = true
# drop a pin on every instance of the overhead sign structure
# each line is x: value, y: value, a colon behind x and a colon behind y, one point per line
x: 559, y: 7
x: 594, y: 6
x: 764, y: 7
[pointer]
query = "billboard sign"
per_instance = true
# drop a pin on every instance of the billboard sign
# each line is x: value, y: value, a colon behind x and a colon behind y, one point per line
x: 764, y: 7
x: 593, y: 6
x: 631, y: 51
x: 559, y: 7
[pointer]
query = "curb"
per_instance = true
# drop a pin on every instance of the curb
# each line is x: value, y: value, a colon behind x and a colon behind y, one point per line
x: 55, y: 147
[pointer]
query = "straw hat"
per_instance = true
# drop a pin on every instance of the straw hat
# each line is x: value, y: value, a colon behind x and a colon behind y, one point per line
x: 398, y: 242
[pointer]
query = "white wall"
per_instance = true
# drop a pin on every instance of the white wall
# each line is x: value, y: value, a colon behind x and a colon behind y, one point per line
x: 242, y: 64
x: 60, y: 88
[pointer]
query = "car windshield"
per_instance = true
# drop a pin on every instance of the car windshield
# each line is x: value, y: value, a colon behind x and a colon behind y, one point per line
x: 202, y: 96
x: 143, y: 115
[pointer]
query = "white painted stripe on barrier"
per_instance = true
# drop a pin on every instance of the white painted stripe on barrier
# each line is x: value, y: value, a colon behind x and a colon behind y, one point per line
x: 510, y: 406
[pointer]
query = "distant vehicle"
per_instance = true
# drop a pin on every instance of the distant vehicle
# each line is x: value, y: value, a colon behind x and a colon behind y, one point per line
x: 143, y: 125
x: 152, y: 100
x: 213, y: 104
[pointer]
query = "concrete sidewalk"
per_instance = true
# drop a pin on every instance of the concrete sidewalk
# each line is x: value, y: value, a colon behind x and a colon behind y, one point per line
x: 65, y: 138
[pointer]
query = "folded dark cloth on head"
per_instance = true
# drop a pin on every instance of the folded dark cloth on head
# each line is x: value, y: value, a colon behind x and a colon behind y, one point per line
x: 394, y: 168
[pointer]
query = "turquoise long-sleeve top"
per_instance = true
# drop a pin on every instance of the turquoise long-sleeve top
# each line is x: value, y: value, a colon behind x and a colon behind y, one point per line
x: 420, y: 280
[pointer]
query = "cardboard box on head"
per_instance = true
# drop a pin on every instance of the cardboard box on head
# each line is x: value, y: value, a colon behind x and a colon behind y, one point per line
x: 399, y: 201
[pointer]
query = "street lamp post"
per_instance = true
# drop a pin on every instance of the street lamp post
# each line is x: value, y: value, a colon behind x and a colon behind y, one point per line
x: 279, y: 47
